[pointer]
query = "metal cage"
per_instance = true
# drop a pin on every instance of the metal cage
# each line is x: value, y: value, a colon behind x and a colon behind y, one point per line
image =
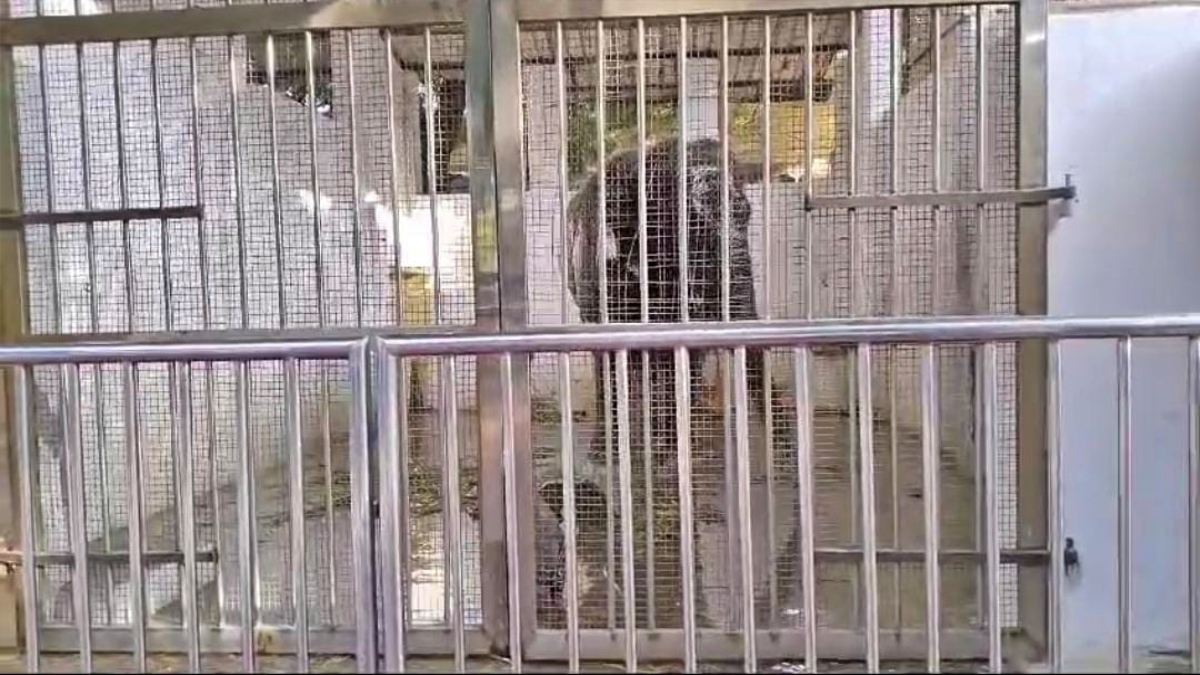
x: 348, y: 167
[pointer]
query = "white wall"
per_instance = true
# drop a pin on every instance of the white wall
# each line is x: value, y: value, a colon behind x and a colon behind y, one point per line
x: 1124, y: 105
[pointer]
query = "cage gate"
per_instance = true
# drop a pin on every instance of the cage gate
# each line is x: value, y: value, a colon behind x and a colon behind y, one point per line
x: 194, y: 166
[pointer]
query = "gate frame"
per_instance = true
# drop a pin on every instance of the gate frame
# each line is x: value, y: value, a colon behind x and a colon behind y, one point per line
x: 1031, y: 197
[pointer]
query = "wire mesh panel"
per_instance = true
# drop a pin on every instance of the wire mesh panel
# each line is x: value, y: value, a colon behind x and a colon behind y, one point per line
x: 275, y: 181
x: 775, y: 118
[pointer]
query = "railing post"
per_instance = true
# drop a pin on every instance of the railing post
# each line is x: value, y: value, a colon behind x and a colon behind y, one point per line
x: 12, y: 324
x: 1032, y: 230
x: 498, y: 238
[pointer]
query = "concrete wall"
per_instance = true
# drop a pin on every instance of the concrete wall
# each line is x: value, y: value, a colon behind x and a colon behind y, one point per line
x: 1124, y: 102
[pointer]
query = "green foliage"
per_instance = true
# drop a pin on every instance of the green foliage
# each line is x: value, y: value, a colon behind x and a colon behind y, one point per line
x: 620, y: 132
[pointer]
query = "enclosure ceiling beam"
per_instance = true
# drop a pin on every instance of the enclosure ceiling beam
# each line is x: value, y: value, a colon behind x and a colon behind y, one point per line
x: 230, y: 20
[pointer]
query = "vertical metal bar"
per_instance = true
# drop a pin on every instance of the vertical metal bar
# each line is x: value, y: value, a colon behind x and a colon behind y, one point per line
x: 1055, y: 498
x: 51, y: 193
x: 1124, y: 504
x: 768, y: 290
x: 206, y: 318
x: 360, y: 514
x: 247, y: 536
x: 682, y: 188
x: 893, y: 351
x: 514, y: 309
x: 391, y: 500
x: 1032, y: 232
x: 726, y: 366
x: 723, y: 116
x: 431, y: 165
x: 801, y: 359
x: 133, y: 455
x: 496, y: 596
x: 602, y: 235
x: 1193, y: 502
x: 291, y: 383
x: 511, y: 514
x: 26, y: 466
x: 359, y: 281
x: 431, y: 179
x: 402, y: 404
x: 982, y: 283
x: 858, y: 291
x: 742, y: 405
x: 123, y: 187
x: 683, y: 384
x: 936, y: 152
x: 356, y: 182
x: 77, y: 511
x: 930, y: 445
x: 94, y: 321
x: 687, y: 552
x: 931, y: 378
x: 160, y: 187
x: 644, y: 296
x: 318, y: 259
x: 991, y: 508
x: 185, y: 482
x: 626, y: 488
x: 136, y: 571
x: 858, y: 287
x: 567, y: 409
x: 277, y: 184
x: 55, y: 294
x: 453, y: 491
x: 235, y: 128
x: 393, y: 174
x: 180, y: 446
x: 642, y: 207
x: 867, y: 488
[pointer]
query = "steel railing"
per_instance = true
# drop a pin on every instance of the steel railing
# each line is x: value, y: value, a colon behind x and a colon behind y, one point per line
x: 374, y: 355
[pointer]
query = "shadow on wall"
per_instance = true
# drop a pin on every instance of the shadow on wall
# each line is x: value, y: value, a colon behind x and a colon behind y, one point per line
x: 1123, y: 111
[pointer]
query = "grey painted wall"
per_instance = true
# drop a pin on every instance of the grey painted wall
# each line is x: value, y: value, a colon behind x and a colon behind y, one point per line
x: 1124, y: 102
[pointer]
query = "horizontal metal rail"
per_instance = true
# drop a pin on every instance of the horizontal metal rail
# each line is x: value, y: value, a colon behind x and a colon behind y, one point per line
x: 167, y: 348
x: 964, y: 198
x: 459, y: 340
x: 729, y: 335
x: 106, y: 216
x: 1013, y: 556
x: 292, y: 17
x: 582, y: 10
